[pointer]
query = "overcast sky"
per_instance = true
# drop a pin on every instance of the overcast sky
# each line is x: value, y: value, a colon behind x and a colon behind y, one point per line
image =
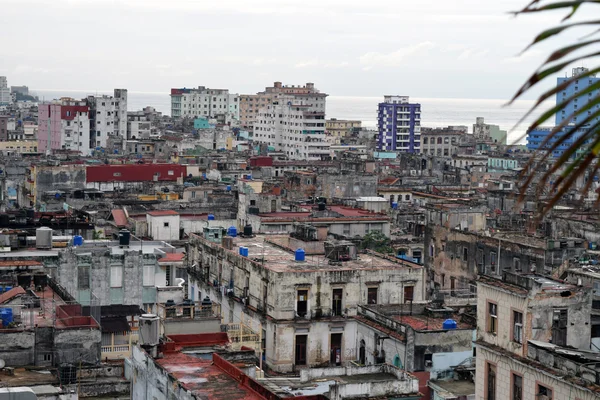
x: 422, y: 48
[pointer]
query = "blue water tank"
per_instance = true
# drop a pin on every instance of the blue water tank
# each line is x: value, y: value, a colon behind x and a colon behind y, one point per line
x: 77, y: 240
x: 6, y: 315
x: 449, y: 324
x: 244, y: 251
x: 204, y: 175
x: 394, y: 205
x: 232, y: 231
x: 228, y: 188
x: 7, y: 288
x: 300, y: 255
x: 211, y: 217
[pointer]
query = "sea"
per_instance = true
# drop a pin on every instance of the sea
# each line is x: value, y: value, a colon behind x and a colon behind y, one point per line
x: 435, y: 112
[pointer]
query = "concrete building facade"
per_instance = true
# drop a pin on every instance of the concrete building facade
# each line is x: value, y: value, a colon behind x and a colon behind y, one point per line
x: 399, y: 124
x: 441, y: 142
x: 294, y: 125
x: 108, y: 117
x: 5, y: 98
x: 204, y: 102
x: 64, y: 125
x: 303, y: 308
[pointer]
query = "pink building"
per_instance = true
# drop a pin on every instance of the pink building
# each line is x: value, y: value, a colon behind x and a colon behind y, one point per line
x: 64, y: 125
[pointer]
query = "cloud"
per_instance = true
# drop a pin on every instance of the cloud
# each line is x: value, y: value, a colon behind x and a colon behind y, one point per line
x: 396, y: 58
x: 529, y: 55
x: 321, y: 64
x: 263, y: 61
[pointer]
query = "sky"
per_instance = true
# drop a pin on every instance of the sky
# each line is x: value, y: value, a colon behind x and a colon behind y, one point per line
x: 423, y: 48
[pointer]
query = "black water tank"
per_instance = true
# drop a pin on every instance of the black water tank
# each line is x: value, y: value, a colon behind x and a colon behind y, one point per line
x: 30, y: 213
x: 321, y: 206
x: 4, y: 220
x: 248, y: 230
x: 124, y: 237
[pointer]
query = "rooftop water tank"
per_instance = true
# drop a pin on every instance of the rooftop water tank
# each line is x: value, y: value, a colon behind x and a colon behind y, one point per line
x: 232, y: 231
x: 228, y: 188
x: 6, y: 315
x: 148, y: 329
x: 77, y: 240
x: 245, y: 251
x: 43, y: 238
x: 300, y: 255
x: 211, y: 217
x: 449, y: 324
x: 321, y: 206
x: 395, y: 205
x: 248, y: 230
x: 124, y: 238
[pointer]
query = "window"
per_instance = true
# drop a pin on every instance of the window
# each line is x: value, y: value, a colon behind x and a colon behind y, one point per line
x: 336, y: 303
x: 165, y: 224
x: 168, y: 275
x: 493, y: 261
x: 492, y: 318
x: 543, y: 392
x: 465, y: 254
x: 372, y: 295
x: 559, y: 327
x: 302, y: 303
x: 148, y: 278
x: 517, y: 335
x: 517, y: 264
x: 517, y: 387
x: 490, y: 387
x: 83, y: 278
x: 116, y: 277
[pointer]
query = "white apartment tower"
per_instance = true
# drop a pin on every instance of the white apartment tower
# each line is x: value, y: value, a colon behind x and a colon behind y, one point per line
x: 204, y: 102
x: 5, y: 98
x: 108, y: 117
x: 294, y: 124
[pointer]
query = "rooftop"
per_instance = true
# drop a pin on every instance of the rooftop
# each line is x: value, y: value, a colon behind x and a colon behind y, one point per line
x: 424, y: 323
x: 278, y: 259
x: 452, y: 389
x: 162, y: 213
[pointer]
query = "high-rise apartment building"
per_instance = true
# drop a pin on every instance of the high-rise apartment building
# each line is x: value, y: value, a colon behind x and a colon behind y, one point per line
x: 64, y: 125
x: 250, y: 104
x: 108, y: 117
x: 399, y: 124
x: 5, y: 98
x: 580, y: 85
x: 204, y: 102
x: 536, y: 137
x: 295, y: 125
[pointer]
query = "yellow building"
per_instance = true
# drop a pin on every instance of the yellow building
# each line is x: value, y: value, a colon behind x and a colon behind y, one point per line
x: 19, y: 146
x: 341, y: 127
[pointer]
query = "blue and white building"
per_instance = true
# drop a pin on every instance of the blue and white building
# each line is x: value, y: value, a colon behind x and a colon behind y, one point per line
x: 536, y: 137
x: 399, y: 124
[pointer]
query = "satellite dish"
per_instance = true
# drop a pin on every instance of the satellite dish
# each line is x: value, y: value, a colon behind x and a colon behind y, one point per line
x: 2, y: 363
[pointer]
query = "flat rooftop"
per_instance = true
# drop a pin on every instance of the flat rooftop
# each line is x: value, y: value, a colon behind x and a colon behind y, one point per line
x: 424, y: 323
x: 277, y: 259
x: 289, y: 386
x: 452, y: 389
x: 204, y: 378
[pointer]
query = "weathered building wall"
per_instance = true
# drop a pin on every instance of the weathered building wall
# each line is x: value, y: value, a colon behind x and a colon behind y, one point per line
x: 99, y: 263
x: 152, y: 382
x: 346, y: 185
x: 532, y: 376
x: 73, y: 346
x: 17, y: 348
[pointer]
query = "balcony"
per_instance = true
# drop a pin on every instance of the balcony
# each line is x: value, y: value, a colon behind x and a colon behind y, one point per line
x: 117, y: 346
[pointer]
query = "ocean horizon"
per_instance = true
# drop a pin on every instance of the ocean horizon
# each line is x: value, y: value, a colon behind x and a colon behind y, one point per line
x: 435, y: 112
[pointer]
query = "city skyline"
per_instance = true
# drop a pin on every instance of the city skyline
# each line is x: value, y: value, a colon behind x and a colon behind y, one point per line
x: 348, y: 48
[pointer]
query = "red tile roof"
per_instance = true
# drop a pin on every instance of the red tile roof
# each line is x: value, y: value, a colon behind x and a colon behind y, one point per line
x: 120, y: 218
x: 172, y: 257
x: 162, y: 213
x: 12, y: 293
x: 20, y: 263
